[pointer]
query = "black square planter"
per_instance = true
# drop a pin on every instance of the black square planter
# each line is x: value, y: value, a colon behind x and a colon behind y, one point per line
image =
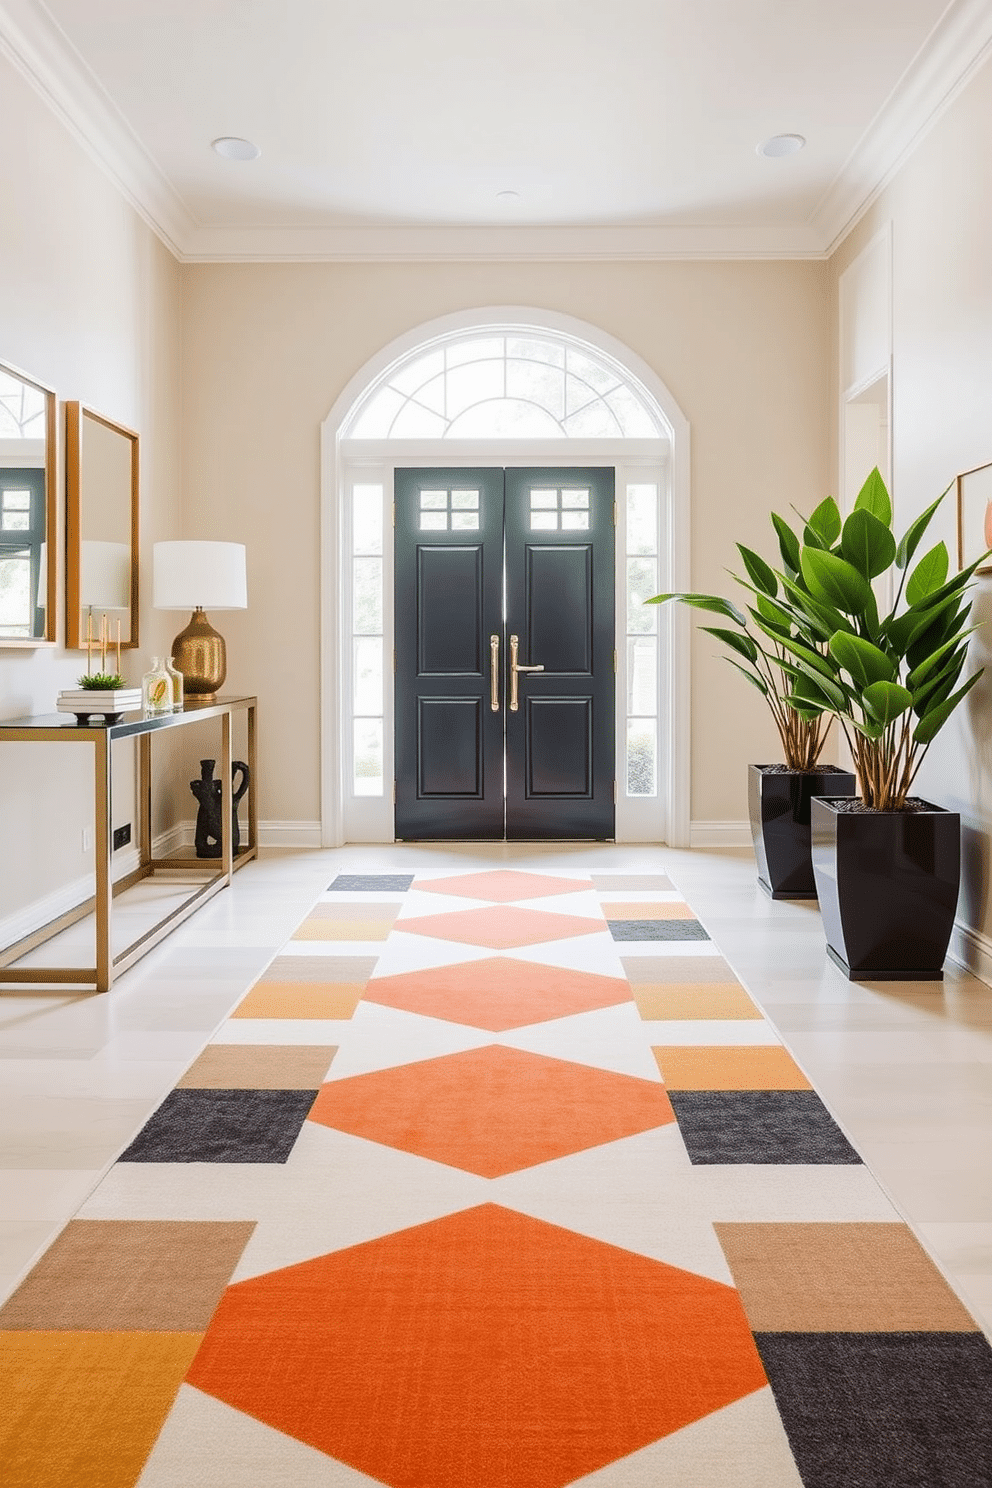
x: 778, y: 805
x: 887, y: 882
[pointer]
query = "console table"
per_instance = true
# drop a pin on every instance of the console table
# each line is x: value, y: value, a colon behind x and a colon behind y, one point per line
x: 215, y: 874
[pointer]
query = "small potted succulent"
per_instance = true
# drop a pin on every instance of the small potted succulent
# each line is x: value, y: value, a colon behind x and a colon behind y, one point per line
x: 779, y: 795
x: 104, y: 694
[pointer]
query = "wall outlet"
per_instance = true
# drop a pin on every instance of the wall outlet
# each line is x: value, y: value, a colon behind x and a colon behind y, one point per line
x: 87, y: 840
x: 122, y: 836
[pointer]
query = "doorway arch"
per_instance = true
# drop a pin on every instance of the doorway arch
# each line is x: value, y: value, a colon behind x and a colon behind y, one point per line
x: 360, y: 449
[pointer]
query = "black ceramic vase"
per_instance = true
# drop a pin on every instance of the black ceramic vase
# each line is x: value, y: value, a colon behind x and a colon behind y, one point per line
x: 887, y: 882
x: 209, y: 794
x: 778, y: 805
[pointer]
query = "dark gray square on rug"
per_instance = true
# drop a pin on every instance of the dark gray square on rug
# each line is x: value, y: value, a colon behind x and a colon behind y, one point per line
x: 372, y: 883
x: 759, y: 1126
x: 884, y: 1410
x: 656, y: 929
x: 222, y: 1126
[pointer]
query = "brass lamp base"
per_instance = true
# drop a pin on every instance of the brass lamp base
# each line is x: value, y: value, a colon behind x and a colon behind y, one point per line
x: 200, y: 654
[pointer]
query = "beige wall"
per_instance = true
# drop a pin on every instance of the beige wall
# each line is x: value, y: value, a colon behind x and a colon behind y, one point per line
x: 743, y: 347
x: 940, y: 213
x: 89, y: 304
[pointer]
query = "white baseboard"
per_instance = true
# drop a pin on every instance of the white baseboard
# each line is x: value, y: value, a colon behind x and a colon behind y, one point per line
x: 972, y: 950
x: 14, y: 927
x: 270, y: 834
x: 289, y: 834
x: 49, y: 907
x: 720, y: 834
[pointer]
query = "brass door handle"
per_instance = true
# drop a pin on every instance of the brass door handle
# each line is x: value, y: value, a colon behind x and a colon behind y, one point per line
x: 515, y: 669
x: 494, y: 673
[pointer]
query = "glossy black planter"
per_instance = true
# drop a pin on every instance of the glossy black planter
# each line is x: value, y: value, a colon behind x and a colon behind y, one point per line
x: 778, y: 804
x: 887, y: 882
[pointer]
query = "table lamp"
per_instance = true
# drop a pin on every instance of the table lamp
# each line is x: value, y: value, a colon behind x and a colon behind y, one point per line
x: 195, y: 576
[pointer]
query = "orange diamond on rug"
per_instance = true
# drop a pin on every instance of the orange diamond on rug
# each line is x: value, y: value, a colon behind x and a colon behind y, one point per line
x: 498, y: 993
x: 483, y: 1349
x: 493, y: 1110
x: 501, y: 929
x: 503, y: 885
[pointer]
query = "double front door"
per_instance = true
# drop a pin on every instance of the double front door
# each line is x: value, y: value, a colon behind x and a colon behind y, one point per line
x: 505, y: 661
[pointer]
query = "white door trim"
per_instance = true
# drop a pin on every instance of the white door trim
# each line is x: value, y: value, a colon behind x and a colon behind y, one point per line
x: 674, y: 760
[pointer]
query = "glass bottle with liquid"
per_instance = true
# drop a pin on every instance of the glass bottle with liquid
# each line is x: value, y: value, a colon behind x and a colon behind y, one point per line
x: 176, y: 678
x: 156, y: 688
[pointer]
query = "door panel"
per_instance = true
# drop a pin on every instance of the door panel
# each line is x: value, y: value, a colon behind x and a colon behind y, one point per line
x: 560, y: 603
x: 450, y: 747
x: 558, y: 586
x: 558, y: 739
x: 450, y: 582
x: 468, y: 763
x: 449, y: 593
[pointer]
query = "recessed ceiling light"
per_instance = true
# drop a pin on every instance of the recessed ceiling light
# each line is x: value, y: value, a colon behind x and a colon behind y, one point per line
x: 781, y: 144
x: 508, y: 196
x: 233, y: 148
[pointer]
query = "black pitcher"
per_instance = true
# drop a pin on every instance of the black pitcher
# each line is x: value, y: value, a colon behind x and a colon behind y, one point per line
x: 208, y: 792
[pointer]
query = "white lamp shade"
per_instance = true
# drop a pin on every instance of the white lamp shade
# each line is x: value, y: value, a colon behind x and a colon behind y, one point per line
x: 204, y: 575
x: 105, y: 576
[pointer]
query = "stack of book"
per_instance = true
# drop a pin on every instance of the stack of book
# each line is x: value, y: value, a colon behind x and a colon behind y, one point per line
x: 86, y: 700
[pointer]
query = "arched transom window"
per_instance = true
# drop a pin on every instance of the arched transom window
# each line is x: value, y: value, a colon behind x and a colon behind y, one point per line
x: 511, y: 385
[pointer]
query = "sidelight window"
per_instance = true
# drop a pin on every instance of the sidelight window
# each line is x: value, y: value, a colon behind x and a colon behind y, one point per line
x: 642, y: 639
x: 367, y: 639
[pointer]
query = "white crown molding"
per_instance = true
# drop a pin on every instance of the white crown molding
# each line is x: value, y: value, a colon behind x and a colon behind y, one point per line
x: 956, y: 48
x: 41, y: 52
x: 44, y: 56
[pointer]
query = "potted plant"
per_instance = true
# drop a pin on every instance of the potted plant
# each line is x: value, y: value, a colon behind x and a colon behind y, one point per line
x: 99, y: 693
x: 887, y: 865
x: 778, y: 794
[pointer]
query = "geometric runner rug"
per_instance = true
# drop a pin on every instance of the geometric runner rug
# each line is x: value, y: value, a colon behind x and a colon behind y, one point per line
x: 499, y: 1180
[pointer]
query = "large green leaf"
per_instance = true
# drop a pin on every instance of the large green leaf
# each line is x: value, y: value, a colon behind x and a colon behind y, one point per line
x: 932, y: 722
x: 825, y: 522
x: 867, y: 727
x: 810, y: 696
x: 742, y: 644
x: 939, y: 687
x: 752, y: 677
x: 936, y: 659
x: 867, y: 544
x: 864, y: 662
x: 711, y: 602
x: 774, y: 614
x: 873, y: 497
x: 788, y: 542
x: 914, y: 534
x: 838, y: 696
x: 758, y: 571
x: 820, y: 618
x: 902, y: 633
x: 833, y: 579
x: 949, y: 624
x: 953, y: 586
x: 928, y: 575
x: 886, y: 701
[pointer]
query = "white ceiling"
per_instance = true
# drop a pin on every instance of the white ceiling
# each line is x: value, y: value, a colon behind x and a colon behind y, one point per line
x: 387, y: 127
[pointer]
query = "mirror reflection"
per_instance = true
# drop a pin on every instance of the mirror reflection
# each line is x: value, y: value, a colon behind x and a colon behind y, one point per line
x: 102, y: 516
x: 27, y: 560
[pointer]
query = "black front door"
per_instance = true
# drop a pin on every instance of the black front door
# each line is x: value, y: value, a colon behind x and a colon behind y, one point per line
x: 504, y: 684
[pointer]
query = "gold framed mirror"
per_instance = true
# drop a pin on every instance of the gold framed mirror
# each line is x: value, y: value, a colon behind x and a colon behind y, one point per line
x: 27, y: 510
x: 101, y: 571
